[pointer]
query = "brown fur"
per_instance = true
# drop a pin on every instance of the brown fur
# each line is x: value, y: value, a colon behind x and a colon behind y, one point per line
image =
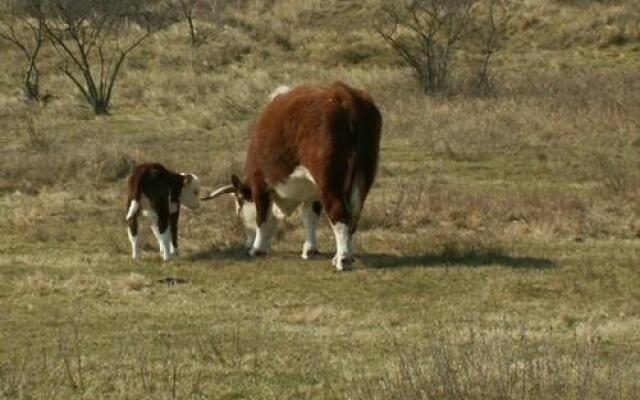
x: 160, y: 186
x: 333, y: 131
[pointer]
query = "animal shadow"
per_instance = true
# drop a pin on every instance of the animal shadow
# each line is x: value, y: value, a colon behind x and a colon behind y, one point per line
x: 455, y: 258
x: 220, y: 253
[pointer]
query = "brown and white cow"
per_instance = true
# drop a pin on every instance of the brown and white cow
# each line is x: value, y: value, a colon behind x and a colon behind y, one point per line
x: 158, y: 193
x: 312, y: 145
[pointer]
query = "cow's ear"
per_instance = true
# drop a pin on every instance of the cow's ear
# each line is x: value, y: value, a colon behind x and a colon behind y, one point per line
x: 188, y: 178
x: 241, y: 189
x: 236, y: 182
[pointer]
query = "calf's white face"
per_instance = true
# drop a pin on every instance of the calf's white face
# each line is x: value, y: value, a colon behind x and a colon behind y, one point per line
x: 190, y: 191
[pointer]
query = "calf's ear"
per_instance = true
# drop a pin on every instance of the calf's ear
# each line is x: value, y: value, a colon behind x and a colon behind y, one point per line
x: 188, y: 178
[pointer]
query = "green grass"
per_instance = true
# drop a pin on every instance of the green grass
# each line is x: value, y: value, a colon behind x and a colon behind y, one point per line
x: 497, y: 255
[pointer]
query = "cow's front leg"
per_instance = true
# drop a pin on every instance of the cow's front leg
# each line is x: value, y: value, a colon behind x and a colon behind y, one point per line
x: 266, y: 225
x: 310, y: 215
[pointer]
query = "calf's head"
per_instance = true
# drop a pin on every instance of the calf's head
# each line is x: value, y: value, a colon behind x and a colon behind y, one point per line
x: 190, y: 191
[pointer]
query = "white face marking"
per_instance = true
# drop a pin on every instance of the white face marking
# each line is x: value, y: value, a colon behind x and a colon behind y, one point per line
x: 135, y: 248
x: 299, y: 186
x: 264, y: 233
x: 342, y: 259
x: 282, y: 89
x: 189, y: 196
x: 248, y: 214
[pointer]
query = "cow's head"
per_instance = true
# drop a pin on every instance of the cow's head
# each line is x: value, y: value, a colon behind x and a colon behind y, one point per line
x: 190, y: 191
x: 245, y: 207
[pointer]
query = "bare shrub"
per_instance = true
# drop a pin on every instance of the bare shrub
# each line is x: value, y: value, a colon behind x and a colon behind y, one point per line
x: 90, y: 38
x: 429, y: 36
x: 189, y: 9
x: 21, y: 24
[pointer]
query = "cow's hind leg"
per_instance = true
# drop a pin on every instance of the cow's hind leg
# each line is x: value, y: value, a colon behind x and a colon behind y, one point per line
x: 337, y: 210
x: 310, y: 214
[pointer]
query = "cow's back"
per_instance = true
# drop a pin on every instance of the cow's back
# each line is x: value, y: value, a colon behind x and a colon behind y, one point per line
x: 312, y: 124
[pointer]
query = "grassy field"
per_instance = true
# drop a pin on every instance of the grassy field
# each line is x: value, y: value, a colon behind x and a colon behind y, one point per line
x: 498, y: 255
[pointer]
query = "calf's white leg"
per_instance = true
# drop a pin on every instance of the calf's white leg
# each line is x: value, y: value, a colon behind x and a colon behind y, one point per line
x: 166, y: 247
x: 135, y: 245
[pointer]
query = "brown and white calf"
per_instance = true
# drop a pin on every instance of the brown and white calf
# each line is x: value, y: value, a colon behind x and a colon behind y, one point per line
x: 158, y: 193
x: 312, y: 145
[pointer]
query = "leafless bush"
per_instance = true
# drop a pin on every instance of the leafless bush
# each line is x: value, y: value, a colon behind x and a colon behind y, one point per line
x: 94, y: 38
x: 21, y: 24
x: 190, y: 9
x: 429, y: 36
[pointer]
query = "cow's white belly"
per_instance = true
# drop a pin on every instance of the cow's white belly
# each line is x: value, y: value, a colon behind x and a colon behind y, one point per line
x: 299, y: 186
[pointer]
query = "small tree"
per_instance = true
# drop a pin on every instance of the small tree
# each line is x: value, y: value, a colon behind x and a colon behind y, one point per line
x: 94, y: 37
x: 429, y: 34
x: 188, y: 10
x: 489, y: 40
x: 21, y: 24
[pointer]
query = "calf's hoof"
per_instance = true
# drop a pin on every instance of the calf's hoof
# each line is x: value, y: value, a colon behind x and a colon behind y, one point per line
x: 310, y: 254
x: 257, y: 252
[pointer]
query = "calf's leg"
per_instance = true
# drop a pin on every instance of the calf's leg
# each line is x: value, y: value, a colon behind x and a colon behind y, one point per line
x: 132, y: 231
x: 173, y: 222
x: 160, y: 227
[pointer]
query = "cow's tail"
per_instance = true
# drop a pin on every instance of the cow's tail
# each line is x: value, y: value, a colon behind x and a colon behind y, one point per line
x: 365, y: 126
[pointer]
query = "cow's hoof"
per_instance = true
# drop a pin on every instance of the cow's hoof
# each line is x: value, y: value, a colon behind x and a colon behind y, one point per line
x: 257, y: 253
x: 310, y: 254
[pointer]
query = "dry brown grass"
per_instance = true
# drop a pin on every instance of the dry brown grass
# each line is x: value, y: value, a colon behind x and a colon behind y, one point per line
x: 497, y: 255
